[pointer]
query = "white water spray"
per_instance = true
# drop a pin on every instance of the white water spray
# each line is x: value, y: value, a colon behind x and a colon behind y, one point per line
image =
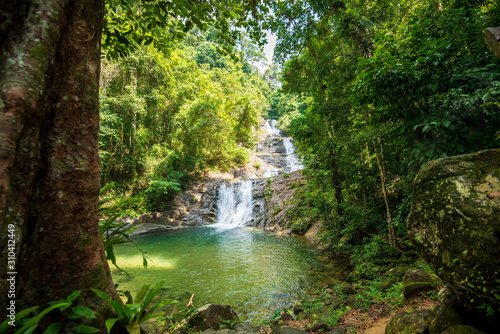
x: 234, y: 205
x: 271, y: 127
x: 292, y: 161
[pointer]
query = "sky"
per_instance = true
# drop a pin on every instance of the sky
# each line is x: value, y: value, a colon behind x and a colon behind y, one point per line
x: 269, y: 47
x: 268, y: 51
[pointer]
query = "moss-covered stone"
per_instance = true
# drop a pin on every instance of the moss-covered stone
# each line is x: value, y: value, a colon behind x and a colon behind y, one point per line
x: 449, y: 313
x: 212, y: 316
x: 416, y: 281
x: 454, y: 223
x: 410, y: 322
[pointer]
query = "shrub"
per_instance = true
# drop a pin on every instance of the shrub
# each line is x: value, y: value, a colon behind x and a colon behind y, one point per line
x: 159, y: 192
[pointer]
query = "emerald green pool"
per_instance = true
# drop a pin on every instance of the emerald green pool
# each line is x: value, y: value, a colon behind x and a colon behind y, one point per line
x: 254, y: 272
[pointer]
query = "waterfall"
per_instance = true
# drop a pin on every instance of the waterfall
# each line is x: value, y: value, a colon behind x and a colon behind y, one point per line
x: 234, y: 205
x: 292, y: 161
x: 271, y: 172
x: 271, y: 127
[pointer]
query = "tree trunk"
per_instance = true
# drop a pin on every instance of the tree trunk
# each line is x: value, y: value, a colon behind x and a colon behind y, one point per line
x: 380, y: 164
x: 336, y: 184
x: 49, y: 162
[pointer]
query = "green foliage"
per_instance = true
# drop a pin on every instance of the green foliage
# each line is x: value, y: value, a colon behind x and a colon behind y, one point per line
x: 387, y: 89
x: 130, y: 24
x: 159, y: 192
x: 115, y: 233
x: 131, y: 315
x: 26, y: 325
x: 169, y: 118
x: 229, y: 324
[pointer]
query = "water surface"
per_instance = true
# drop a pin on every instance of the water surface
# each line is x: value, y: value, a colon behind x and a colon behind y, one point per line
x: 254, y: 272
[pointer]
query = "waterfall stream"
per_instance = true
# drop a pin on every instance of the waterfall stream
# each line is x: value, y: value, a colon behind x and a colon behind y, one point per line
x: 234, y: 205
x: 271, y: 127
x: 235, y: 200
x: 292, y: 161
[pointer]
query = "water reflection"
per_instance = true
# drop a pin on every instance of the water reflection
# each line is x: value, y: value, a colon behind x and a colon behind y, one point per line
x: 250, y: 270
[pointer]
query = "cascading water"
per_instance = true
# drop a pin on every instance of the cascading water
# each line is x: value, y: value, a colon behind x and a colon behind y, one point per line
x: 234, y: 205
x: 271, y: 127
x: 292, y: 161
x: 271, y: 172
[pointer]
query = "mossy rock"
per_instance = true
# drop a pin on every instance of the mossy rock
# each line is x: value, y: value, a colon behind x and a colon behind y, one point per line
x: 410, y: 322
x: 416, y: 281
x: 387, y: 284
x: 449, y: 313
x: 211, y: 316
x: 454, y: 223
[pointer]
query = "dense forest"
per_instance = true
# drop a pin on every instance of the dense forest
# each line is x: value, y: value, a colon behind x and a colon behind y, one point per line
x: 168, y: 118
x: 370, y: 92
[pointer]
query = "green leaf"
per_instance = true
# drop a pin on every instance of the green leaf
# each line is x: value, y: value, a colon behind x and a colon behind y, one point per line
x: 110, y: 323
x: 83, y: 311
x: 53, y: 329
x: 148, y: 298
x: 34, y: 321
x: 85, y: 329
x: 150, y: 316
x: 142, y: 292
x: 29, y: 330
x: 19, y: 315
x: 446, y: 124
x: 74, y: 295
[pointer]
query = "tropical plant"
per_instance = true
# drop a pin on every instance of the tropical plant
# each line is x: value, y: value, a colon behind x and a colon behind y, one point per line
x: 26, y: 325
x: 115, y: 233
x: 131, y: 315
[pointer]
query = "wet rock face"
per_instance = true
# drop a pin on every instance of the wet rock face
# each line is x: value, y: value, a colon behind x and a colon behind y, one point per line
x: 455, y: 223
x: 195, y: 206
x: 272, y: 199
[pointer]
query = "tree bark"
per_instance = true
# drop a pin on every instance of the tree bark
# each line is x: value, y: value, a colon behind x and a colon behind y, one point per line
x: 381, y: 167
x: 49, y: 162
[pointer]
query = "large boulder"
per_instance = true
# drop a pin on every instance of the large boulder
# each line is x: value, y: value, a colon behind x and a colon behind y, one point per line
x: 449, y: 313
x: 416, y: 281
x: 212, y: 316
x: 462, y: 329
x: 410, y: 322
x: 454, y: 224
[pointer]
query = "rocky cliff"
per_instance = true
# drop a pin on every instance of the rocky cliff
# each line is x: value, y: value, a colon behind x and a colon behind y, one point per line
x: 273, y: 197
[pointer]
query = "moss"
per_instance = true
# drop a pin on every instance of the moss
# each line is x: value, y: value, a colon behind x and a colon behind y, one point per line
x: 85, y: 240
x: 60, y: 165
x: 98, y: 275
x: 39, y: 53
x: 453, y: 222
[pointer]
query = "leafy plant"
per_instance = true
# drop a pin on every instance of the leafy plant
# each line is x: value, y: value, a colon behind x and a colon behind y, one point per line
x: 29, y: 324
x: 131, y: 315
x: 159, y: 192
x: 230, y: 323
x: 115, y: 233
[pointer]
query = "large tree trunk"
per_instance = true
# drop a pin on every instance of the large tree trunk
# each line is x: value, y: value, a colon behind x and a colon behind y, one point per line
x: 49, y: 163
